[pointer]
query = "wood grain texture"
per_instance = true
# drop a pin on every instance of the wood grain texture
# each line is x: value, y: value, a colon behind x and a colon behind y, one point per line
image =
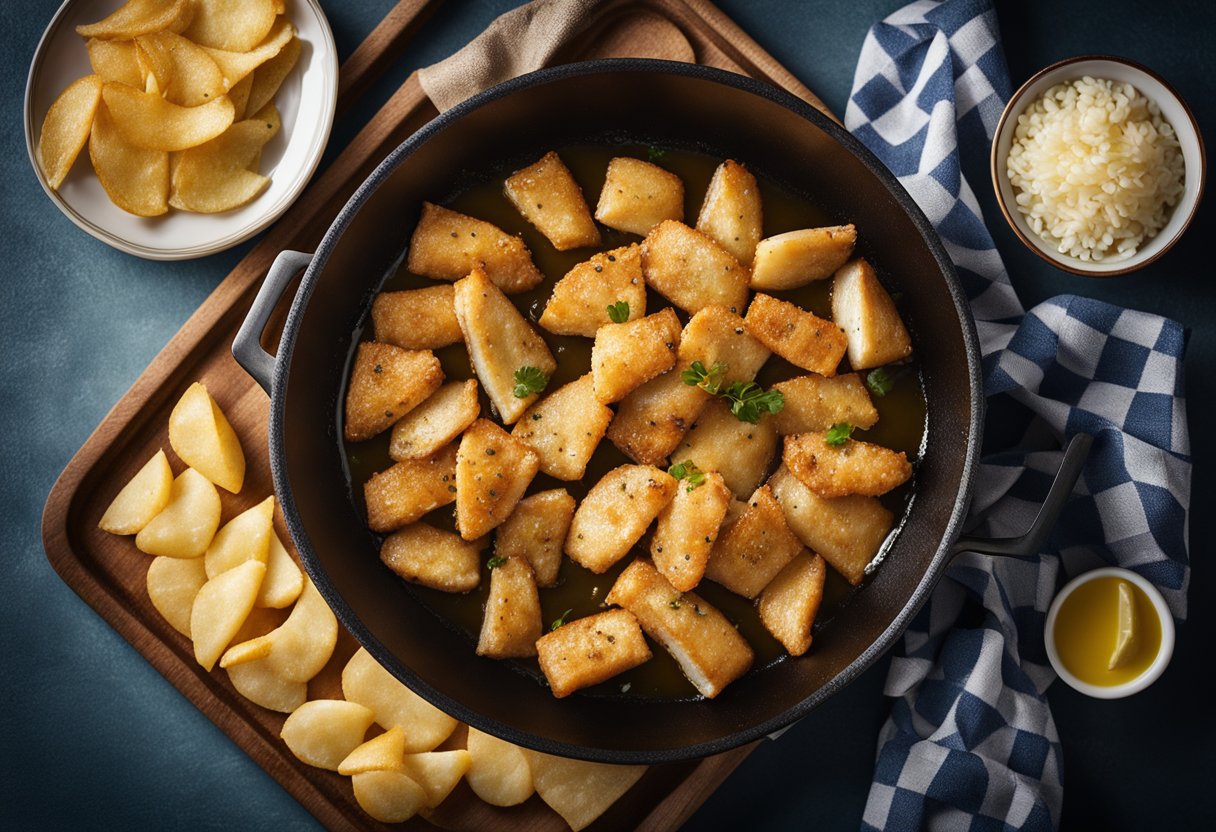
x: 110, y: 574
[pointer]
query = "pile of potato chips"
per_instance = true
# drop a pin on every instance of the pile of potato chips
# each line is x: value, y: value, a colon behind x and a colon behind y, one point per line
x: 237, y: 593
x: 179, y: 105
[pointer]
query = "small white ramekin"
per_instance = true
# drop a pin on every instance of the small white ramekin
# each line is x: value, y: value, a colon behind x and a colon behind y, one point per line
x: 1173, y: 109
x: 1146, y: 678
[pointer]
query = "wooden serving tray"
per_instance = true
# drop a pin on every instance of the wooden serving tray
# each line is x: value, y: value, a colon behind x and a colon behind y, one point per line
x: 110, y: 574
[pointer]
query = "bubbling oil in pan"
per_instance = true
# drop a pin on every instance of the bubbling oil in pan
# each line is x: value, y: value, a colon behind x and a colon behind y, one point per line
x: 901, y: 424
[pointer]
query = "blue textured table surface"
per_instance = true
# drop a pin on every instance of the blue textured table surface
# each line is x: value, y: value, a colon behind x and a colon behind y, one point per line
x: 91, y: 735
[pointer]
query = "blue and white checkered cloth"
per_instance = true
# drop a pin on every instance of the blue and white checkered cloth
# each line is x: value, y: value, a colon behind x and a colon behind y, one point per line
x: 971, y: 743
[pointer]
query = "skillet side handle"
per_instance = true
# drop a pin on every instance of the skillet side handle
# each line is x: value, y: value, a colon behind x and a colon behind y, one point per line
x: 1030, y: 544
x: 247, y: 346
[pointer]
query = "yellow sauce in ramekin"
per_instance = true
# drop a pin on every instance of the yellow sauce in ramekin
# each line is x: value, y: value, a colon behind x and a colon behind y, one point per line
x: 1087, y: 628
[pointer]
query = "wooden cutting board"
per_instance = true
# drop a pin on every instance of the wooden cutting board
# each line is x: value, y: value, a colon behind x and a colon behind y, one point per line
x: 110, y: 574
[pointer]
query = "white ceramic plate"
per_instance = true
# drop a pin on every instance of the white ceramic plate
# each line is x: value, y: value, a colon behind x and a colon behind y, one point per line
x: 306, y: 105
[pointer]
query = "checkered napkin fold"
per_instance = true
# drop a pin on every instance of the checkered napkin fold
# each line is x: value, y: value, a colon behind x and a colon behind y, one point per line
x: 970, y: 743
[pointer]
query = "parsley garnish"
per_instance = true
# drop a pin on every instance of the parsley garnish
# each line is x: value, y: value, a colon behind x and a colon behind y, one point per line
x: 655, y: 154
x: 618, y: 312
x: 529, y: 380
x: 748, y: 401
x: 560, y: 621
x: 838, y: 433
x: 688, y: 470
x: 495, y: 562
x: 879, y: 381
x: 708, y: 380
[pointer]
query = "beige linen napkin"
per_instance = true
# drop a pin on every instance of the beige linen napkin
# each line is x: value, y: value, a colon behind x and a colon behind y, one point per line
x: 520, y: 41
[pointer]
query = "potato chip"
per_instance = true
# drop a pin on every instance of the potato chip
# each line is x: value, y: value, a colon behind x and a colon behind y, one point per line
x: 220, y: 608
x: 186, y: 525
x: 244, y: 537
x: 324, y: 731
x: 578, y: 790
x: 66, y: 128
x: 262, y: 686
x: 438, y: 772
x: 388, y: 796
x: 185, y: 74
x: 305, y: 641
x: 140, y: 17
x: 240, y: 97
x: 268, y: 77
x: 499, y: 774
x: 136, y: 179
x: 235, y: 25
x: 284, y: 581
x: 147, y: 120
x: 366, y: 682
x: 214, y: 177
x: 383, y: 753
x: 173, y: 584
x: 141, y: 499
x: 115, y: 60
x: 236, y: 65
x: 201, y: 435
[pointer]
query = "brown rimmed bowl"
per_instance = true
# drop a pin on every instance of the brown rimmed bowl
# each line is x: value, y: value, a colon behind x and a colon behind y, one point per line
x: 1173, y: 109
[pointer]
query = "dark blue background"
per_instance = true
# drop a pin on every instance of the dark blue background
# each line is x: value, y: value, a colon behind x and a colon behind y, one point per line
x: 91, y: 735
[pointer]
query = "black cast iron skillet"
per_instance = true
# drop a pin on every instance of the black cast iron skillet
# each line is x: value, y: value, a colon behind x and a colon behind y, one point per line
x: 671, y: 104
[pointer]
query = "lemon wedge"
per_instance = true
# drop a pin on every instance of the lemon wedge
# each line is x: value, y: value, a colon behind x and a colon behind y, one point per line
x: 1126, y: 638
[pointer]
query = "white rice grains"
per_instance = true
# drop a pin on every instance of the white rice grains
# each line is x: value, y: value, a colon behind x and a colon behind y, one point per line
x: 1095, y: 168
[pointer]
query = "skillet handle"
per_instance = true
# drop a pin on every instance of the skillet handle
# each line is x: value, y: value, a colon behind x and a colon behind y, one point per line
x: 1029, y: 544
x: 247, y: 346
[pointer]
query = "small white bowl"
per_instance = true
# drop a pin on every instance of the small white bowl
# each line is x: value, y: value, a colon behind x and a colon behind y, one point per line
x: 306, y: 104
x: 1173, y: 109
x: 1146, y: 678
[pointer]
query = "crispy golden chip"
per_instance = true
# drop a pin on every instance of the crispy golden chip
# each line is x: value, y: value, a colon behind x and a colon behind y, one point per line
x: 800, y: 337
x: 591, y: 650
x: 651, y: 421
x: 638, y: 195
x: 499, y: 773
x: 789, y: 603
x: 511, y: 624
x: 184, y: 528
x: 417, y: 319
x: 284, y: 581
x: 740, y: 451
x: 220, y: 608
x: 235, y: 25
x: 577, y: 790
x: 580, y: 300
x: 268, y: 77
x: 438, y: 772
x: 201, y: 435
x: 140, y: 17
x: 536, y: 531
x: 435, y: 422
x: 236, y: 65
x: 185, y: 74
x: 388, y: 796
x: 547, y: 196
x: 66, y: 128
x: 422, y: 554
x: 405, y: 492
x: 447, y: 245
x: 135, y: 179
x: 753, y: 547
x: 214, y: 177
x: 366, y: 682
x: 867, y: 314
x: 240, y: 102
x: 615, y: 513
x: 147, y: 120
x: 324, y: 731
x: 797, y: 258
x: 732, y: 214
x: 692, y: 270
x: 173, y: 584
x: 565, y: 427
x: 141, y: 499
x: 381, y: 753
x: 115, y: 60
x: 493, y: 470
x: 244, y: 537
x: 814, y: 402
x: 262, y: 686
x: 627, y: 355
x: 687, y: 528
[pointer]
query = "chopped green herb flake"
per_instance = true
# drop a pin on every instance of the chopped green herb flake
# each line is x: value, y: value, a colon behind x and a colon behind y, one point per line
x: 529, y: 380
x: 495, y: 562
x: 749, y: 401
x: 879, y: 381
x: 675, y: 603
x: 655, y: 154
x: 560, y: 621
x: 839, y: 433
x: 618, y: 312
x: 689, y: 472
x: 708, y: 380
